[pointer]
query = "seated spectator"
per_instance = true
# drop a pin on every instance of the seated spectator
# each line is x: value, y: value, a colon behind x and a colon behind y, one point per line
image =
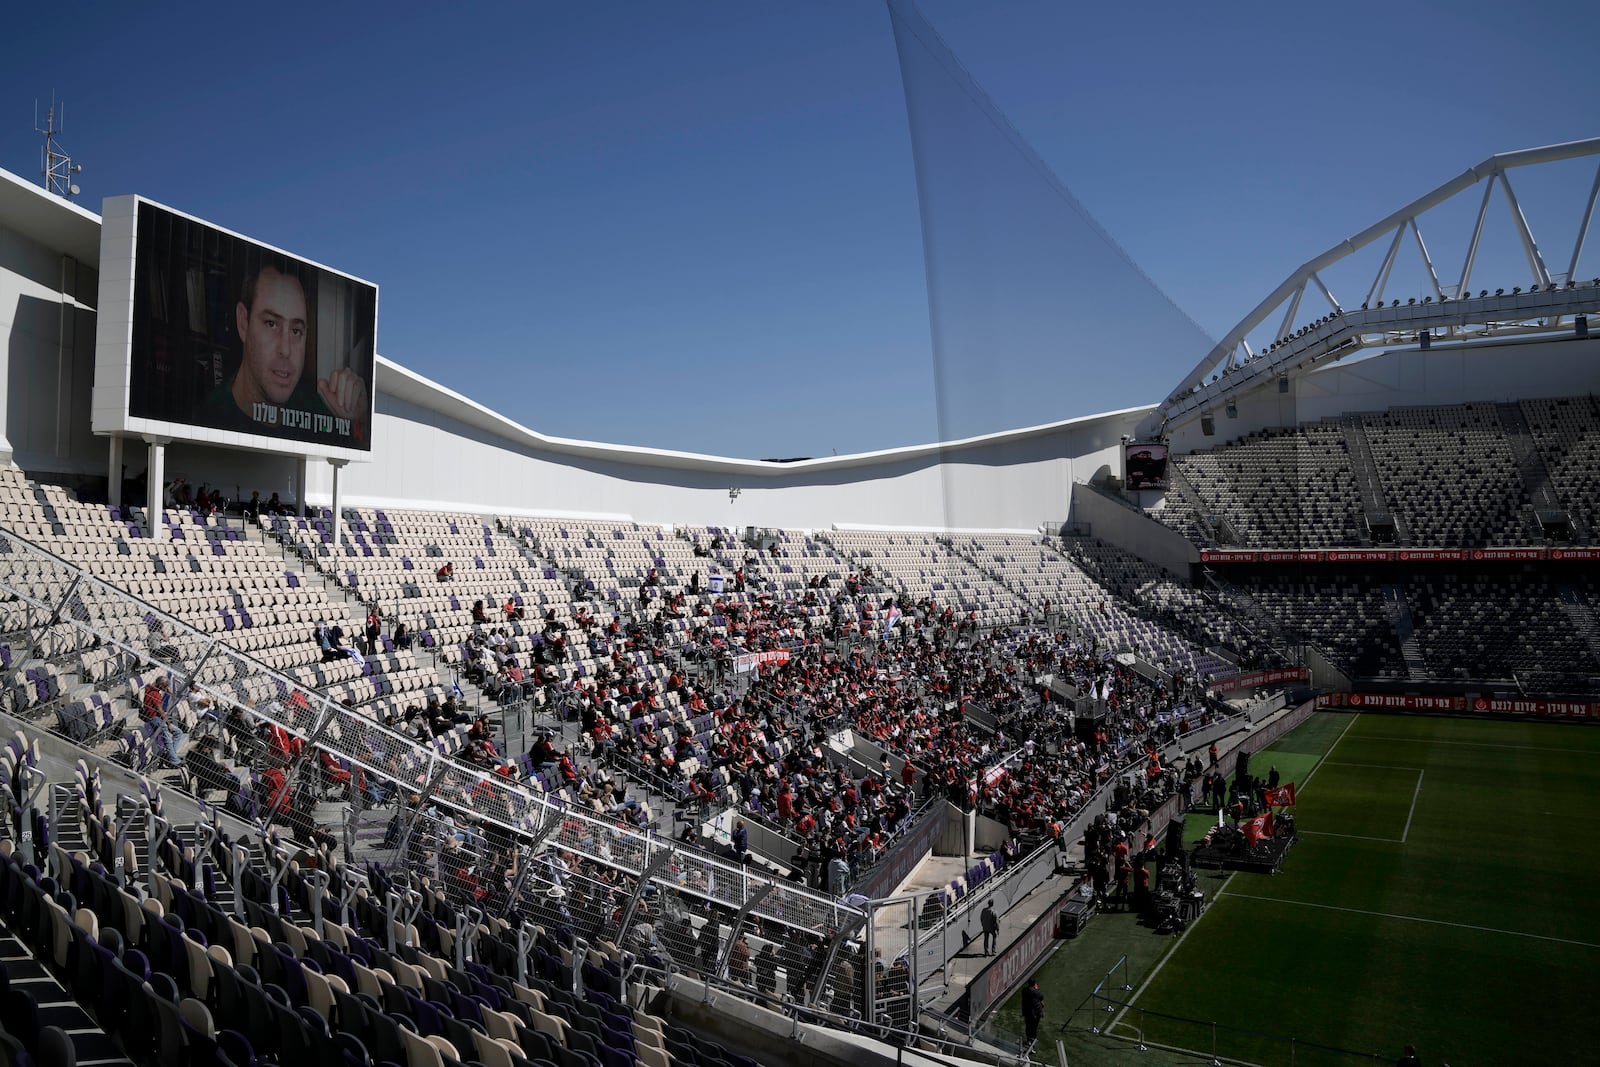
x: 329, y: 639
x: 402, y: 636
x: 207, y: 771
x: 446, y: 573
x: 153, y: 710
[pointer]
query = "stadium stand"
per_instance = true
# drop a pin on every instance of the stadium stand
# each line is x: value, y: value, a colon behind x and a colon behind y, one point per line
x: 1450, y: 475
x: 1282, y: 489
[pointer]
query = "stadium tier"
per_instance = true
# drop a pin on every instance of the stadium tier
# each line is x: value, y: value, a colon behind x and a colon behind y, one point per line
x: 1459, y: 476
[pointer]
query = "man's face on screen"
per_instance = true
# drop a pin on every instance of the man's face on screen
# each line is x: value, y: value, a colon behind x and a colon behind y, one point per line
x: 273, y: 331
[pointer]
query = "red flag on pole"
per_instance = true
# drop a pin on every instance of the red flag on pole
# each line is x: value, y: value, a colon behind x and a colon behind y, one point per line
x: 1281, y: 797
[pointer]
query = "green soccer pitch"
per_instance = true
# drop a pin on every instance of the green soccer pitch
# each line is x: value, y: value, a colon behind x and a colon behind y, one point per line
x: 1441, y: 894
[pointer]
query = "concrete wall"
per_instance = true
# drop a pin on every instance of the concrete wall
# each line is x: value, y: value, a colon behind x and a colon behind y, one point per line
x: 422, y: 459
x: 47, y: 329
x: 1134, y: 532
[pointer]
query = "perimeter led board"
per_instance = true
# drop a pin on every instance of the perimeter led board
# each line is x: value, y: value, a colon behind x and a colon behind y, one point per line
x: 207, y: 336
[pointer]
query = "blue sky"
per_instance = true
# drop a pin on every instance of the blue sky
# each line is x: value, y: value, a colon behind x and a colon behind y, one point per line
x: 696, y: 226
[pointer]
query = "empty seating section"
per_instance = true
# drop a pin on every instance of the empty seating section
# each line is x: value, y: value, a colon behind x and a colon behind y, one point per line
x: 1449, y: 476
x: 1500, y: 627
x: 1291, y: 489
x: 212, y: 576
x: 1453, y: 478
x: 1049, y: 581
x: 1176, y: 510
x: 1567, y: 434
x: 223, y: 579
x: 1343, y: 617
x: 1201, y: 619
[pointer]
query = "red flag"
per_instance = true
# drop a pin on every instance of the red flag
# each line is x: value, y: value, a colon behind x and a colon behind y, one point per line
x: 1281, y: 797
x: 1255, y: 830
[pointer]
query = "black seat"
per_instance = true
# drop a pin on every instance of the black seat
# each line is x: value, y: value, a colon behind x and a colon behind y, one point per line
x: 354, y: 1050
x: 169, y: 1036
x: 385, y: 1044
x: 227, y: 997
x: 54, y: 1048
x: 294, y: 1040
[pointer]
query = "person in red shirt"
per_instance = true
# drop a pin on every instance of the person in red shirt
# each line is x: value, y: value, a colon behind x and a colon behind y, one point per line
x: 153, y: 710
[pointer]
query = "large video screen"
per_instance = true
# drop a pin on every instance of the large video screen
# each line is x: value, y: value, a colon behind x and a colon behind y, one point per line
x: 231, y: 335
x: 1144, y: 466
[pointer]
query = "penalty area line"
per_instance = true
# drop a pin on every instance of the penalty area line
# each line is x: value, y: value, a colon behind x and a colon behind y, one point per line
x: 1414, y: 919
x: 1354, y: 837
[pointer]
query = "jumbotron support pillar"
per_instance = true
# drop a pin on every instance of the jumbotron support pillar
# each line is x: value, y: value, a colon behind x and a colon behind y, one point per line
x: 114, y: 470
x: 155, y: 486
x: 338, y: 466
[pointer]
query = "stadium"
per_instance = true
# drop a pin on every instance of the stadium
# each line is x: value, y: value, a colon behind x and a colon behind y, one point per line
x: 348, y: 720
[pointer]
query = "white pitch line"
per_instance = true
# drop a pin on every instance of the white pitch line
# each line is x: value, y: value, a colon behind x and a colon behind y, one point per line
x: 1162, y: 962
x: 1353, y: 837
x: 1414, y: 919
x: 1375, y: 766
x: 1471, y: 744
x: 1414, y: 795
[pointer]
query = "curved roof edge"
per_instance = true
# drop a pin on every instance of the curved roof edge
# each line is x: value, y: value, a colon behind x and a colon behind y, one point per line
x: 52, y: 221
x: 63, y: 226
x: 411, y: 387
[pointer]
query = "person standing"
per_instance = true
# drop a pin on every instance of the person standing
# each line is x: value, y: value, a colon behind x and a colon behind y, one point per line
x: 767, y: 970
x: 1032, y: 1010
x: 991, y: 928
x: 739, y: 961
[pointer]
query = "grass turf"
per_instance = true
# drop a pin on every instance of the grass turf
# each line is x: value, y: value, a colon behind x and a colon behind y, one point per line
x: 1451, y: 913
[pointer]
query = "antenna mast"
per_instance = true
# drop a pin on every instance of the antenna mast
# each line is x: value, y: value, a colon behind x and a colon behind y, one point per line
x: 57, y: 167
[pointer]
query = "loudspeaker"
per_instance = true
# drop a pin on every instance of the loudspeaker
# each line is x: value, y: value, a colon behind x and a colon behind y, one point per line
x: 1580, y: 326
x: 1174, y: 839
x: 1208, y: 425
x: 1241, y: 767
